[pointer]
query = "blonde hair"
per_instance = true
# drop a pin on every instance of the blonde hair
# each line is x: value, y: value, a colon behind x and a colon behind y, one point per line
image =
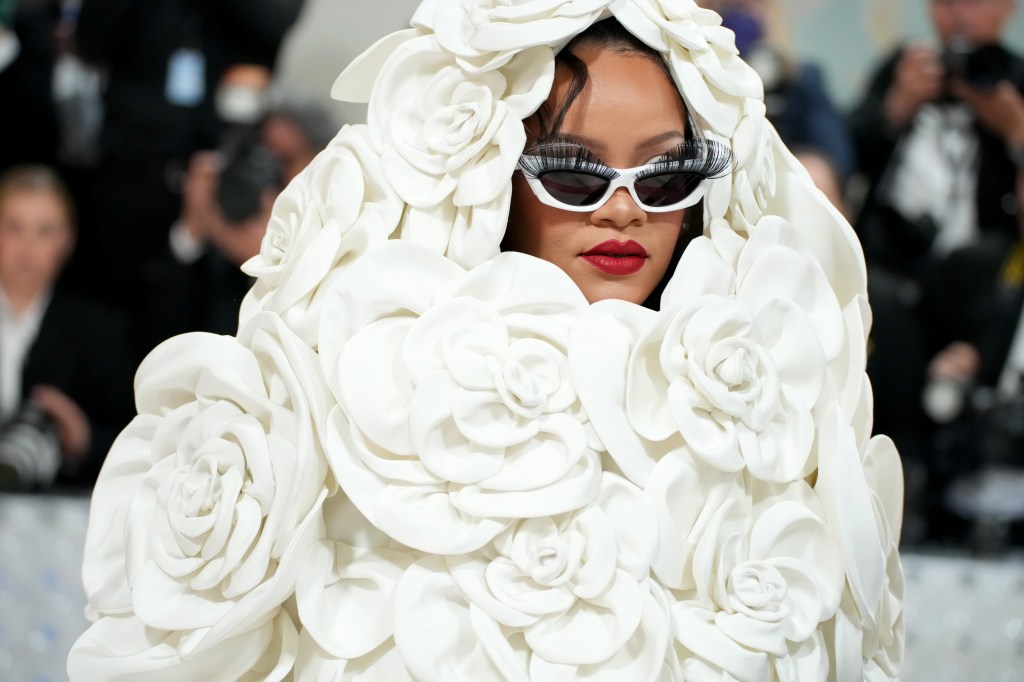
x: 38, y: 178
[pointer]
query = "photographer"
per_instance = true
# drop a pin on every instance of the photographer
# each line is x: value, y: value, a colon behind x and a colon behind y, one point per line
x: 939, y: 136
x: 65, y: 382
x: 938, y: 133
x: 227, y: 197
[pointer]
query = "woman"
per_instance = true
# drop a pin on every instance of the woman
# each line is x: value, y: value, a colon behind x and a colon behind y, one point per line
x: 615, y: 245
x: 449, y: 443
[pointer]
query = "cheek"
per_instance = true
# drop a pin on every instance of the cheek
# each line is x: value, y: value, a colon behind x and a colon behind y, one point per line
x: 528, y: 223
x: 667, y: 230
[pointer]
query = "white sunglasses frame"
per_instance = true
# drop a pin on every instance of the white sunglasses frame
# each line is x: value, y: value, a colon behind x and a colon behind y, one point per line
x: 626, y: 177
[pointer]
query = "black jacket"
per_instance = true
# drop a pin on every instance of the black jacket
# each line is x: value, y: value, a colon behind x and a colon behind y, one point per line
x: 82, y: 349
x: 887, y: 239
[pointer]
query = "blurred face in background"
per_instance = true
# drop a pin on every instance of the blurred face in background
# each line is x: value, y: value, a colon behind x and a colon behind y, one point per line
x: 36, y: 238
x: 980, y: 22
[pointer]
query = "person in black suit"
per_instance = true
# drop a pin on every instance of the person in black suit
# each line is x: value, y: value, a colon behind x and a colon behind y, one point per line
x: 61, y: 355
x: 165, y: 59
x: 938, y: 136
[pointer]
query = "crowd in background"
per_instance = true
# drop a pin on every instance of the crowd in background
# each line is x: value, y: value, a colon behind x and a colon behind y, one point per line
x: 144, y: 145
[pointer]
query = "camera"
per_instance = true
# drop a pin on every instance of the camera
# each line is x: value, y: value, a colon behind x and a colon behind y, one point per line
x: 30, y: 454
x: 980, y: 66
x: 250, y: 169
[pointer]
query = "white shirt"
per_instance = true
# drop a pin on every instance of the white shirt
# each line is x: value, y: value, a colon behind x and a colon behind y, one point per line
x: 937, y: 175
x: 17, y: 334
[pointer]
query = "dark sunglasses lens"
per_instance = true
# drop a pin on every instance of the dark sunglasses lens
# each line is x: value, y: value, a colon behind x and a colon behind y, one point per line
x: 666, y: 189
x: 573, y: 188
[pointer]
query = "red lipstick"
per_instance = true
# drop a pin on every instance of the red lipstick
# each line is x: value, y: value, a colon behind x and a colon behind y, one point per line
x: 616, y: 258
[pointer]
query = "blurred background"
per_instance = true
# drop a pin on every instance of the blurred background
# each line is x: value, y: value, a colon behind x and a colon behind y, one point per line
x: 144, y: 141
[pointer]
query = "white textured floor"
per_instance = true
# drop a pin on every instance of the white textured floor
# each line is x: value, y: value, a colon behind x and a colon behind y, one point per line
x: 965, y: 618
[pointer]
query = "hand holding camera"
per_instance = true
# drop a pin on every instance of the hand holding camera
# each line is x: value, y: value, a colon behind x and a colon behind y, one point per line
x: 919, y: 79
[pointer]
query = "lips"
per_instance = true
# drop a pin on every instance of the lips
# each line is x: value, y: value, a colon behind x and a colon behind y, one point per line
x: 616, y: 258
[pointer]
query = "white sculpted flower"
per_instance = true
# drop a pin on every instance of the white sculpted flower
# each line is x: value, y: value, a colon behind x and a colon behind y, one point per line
x: 332, y: 211
x: 487, y: 32
x: 735, y: 361
x: 702, y: 55
x: 768, y: 572
x: 449, y: 141
x: 708, y: 371
x: 210, y: 499
x: 577, y: 583
x: 456, y: 413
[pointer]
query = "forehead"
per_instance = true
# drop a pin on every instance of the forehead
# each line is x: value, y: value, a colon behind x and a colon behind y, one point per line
x: 35, y: 200
x: 628, y: 99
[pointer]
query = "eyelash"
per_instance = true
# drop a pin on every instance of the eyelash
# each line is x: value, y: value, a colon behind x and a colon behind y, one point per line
x: 706, y: 158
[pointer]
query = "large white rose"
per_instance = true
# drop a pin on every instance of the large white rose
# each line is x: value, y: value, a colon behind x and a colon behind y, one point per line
x: 576, y: 584
x: 456, y: 412
x: 210, y: 499
x: 486, y: 33
x: 449, y: 141
x: 330, y: 213
x: 735, y: 363
x: 767, y: 572
x: 125, y: 649
x: 702, y: 54
x: 727, y: 380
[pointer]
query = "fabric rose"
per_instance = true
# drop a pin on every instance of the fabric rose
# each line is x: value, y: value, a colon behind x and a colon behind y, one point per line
x: 576, y: 584
x: 449, y: 141
x: 211, y: 498
x: 863, y: 498
x: 777, y: 261
x: 485, y: 33
x: 702, y: 55
x: 767, y: 572
x: 456, y: 413
x: 123, y: 648
x: 329, y: 214
x: 735, y: 363
x: 729, y: 381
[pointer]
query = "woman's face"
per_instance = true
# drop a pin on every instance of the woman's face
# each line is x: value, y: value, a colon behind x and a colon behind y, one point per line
x: 628, y: 114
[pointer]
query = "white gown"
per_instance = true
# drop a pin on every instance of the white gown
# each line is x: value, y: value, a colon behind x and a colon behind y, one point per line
x: 424, y: 459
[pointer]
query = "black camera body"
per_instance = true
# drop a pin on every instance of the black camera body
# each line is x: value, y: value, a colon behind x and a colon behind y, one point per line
x: 249, y: 169
x: 980, y: 66
x: 30, y: 455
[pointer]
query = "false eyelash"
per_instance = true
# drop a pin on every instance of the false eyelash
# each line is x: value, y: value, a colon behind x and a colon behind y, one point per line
x: 708, y: 159
x: 557, y: 154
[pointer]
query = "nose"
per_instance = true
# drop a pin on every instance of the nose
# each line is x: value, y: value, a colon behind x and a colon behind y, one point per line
x: 620, y: 211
